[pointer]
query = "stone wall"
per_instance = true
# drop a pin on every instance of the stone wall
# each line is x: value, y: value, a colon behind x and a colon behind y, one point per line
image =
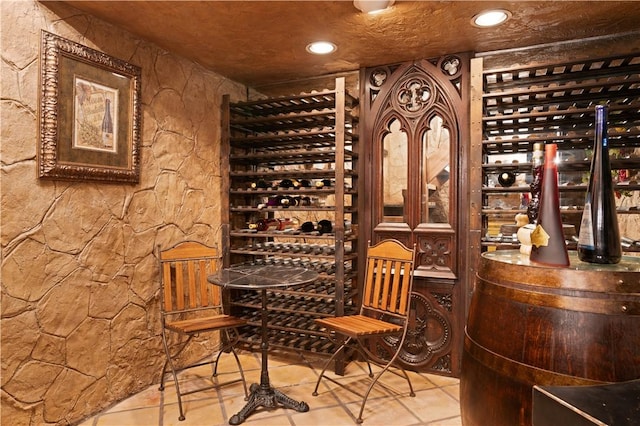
x: 80, y: 313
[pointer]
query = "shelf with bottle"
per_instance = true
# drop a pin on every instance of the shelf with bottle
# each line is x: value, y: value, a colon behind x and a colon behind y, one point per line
x: 282, y: 321
x: 323, y: 138
x: 517, y: 125
x: 555, y: 103
x: 281, y: 339
x: 298, y: 201
x: 573, y: 166
x: 285, y: 157
x: 570, y: 164
x: 245, y: 179
x: 248, y: 209
x: 564, y: 210
x: 320, y: 183
x: 292, y: 249
x: 288, y: 164
x: 285, y: 226
x: 314, y: 110
x: 564, y: 187
x: 321, y: 297
x: 292, y: 304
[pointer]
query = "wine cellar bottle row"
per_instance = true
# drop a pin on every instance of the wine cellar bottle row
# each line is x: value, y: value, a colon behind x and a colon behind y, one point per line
x: 273, y: 224
x: 294, y: 248
x: 320, y: 266
x: 321, y: 227
x: 290, y: 183
x: 288, y: 201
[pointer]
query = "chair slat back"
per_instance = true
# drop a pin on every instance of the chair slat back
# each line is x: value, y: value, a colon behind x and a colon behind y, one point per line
x: 389, y: 278
x: 184, y: 271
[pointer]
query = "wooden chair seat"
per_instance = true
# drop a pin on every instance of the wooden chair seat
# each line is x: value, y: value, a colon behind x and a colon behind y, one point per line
x: 205, y: 324
x: 359, y: 325
x: 386, y: 293
x: 190, y: 306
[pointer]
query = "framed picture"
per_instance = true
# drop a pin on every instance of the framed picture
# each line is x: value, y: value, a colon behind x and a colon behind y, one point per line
x: 89, y: 114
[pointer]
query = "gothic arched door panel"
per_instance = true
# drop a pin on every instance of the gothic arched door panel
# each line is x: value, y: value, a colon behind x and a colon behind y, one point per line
x: 415, y: 127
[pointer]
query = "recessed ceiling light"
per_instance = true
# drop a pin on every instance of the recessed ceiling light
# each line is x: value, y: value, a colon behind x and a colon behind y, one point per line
x: 321, y: 47
x: 373, y: 6
x: 490, y: 18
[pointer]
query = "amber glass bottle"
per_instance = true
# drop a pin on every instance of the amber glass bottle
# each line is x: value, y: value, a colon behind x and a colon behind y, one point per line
x: 599, y: 240
x: 547, y: 239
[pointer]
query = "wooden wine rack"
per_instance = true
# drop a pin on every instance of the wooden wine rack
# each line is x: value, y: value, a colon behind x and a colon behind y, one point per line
x: 308, y: 136
x: 555, y: 103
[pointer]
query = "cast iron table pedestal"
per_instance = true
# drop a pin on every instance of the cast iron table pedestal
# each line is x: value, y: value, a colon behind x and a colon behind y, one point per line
x: 263, y: 277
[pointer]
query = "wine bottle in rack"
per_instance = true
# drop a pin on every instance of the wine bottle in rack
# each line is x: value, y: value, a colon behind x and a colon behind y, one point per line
x: 305, y: 201
x: 286, y: 183
x: 265, y: 225
x: 260, y: 184
x: 305, y: 183
x: 506, y: 178
x: 537, y: 161
x: 309, y: 226
x: 548, y: 246
x: 288, y: 224
x: 274, y: 201
x: 323, y: 183
x: 599, y: 238
x: 286, y: 201
x: 325, y: 226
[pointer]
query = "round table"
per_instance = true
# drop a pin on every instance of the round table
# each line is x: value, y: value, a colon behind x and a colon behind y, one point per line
x: 262, y: 278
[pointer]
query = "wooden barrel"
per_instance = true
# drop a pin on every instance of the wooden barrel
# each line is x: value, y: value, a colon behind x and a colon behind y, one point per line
x: 536, y: 325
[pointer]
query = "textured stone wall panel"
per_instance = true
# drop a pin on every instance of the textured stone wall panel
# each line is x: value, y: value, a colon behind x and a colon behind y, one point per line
x: 64, y: 393
x: 50, y: 348
x: 28, y: 203
x: 32, y: 269
x: 78, y: 215
x: 88, y: 347
x: 64, y: 308
x: 106, y: 300
x: 80, y: 281
x: 19, y: 337
x: 27, y: 384
x: 16, y: 136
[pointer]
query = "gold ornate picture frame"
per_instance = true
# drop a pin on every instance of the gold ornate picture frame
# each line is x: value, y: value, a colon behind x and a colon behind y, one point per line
x: 89, y: 114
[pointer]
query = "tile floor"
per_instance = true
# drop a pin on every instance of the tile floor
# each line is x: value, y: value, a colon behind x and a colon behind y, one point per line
x: 436, y: 402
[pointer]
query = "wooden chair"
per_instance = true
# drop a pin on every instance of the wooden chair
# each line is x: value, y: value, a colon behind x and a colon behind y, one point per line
x: 384, y: 311
x: 191, y: 306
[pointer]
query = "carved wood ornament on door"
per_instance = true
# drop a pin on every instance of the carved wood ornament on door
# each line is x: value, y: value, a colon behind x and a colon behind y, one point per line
x: 414, y: 117
x: 412, y: 125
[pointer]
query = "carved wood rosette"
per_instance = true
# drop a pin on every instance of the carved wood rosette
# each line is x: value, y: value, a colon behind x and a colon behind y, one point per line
x: 428, y: 342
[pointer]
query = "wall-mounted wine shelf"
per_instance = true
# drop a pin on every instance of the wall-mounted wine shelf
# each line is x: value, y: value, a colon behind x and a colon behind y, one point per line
x: 555, y: 103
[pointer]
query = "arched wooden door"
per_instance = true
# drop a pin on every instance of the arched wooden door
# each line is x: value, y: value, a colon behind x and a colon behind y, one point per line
x: 415, y: 146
